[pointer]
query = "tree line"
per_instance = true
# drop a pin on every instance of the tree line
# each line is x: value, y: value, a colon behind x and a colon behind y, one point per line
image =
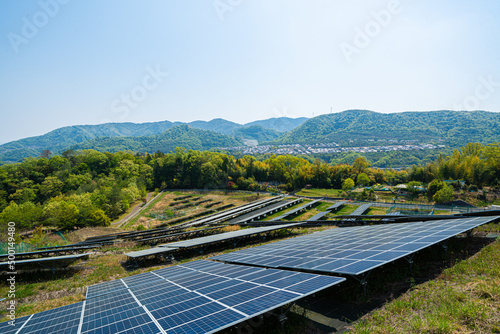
x: 90, y: 188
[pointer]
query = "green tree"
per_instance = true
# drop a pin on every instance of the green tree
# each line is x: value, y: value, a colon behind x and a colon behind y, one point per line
x: 61, y: 214
x: 363, y: 179
x: 51, y: 187
x: 445, y: 194
x: 360, y: 164
x: 25, y: 215
x: 348, y: 184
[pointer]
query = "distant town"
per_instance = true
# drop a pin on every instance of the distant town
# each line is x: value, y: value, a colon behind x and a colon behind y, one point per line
x: 299, y: 149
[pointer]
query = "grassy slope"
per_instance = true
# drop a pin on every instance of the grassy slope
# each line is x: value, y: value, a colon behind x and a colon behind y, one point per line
x: 463, y: 299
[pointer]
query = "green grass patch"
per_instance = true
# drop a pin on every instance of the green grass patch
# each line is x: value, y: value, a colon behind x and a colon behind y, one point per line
x: 347, y: 209
x: 376, y: 211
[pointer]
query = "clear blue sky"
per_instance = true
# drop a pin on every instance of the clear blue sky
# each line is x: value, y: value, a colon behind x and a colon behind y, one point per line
x: 90, y: 61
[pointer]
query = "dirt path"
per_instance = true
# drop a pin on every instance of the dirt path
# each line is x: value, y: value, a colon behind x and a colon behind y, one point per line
x: 133, y: 212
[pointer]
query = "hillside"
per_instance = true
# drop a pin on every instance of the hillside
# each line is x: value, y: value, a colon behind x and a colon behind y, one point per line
x: 63, y: 138
x: 177, y: 136
x: 452, y: 128
x: 281, y: 124
x: 218, y: 125
x: 257, y: 132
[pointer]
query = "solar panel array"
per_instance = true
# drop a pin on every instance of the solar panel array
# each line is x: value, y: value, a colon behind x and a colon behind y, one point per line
x: 226, y: 236
x: 197, y: 297
x: 318, y: 216
x: 150, y: 252
x: 336, y: 206
x: 296, y: 210
x: 234, y: 212
x: 353, y: 250
x: 178, y: 235
x: 46, y: 261
x: 34, y: 254
x: 275, y: 207
x: 361, y: 209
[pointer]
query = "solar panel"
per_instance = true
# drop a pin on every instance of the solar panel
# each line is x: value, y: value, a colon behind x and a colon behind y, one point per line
x: 46, y: 261
x: 150, y: 251
x: 45, y: 252
x: 296, y: 210
x: 196, y: 297
x: 361, y: 209
x: 63, y: 320
x: 336, y: 206
x: 318, y: 216
x: 353, y: 250
x: 226, y: 236
x: 263, y: 213
x: 7, y: 328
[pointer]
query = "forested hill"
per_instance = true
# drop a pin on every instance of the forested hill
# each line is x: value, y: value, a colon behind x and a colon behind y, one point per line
x: 177, y: 136
x: 452, y: 128
x: 63, y: 138
x: 281, y: 124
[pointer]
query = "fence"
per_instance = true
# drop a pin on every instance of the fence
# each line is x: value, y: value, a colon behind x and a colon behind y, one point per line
x: 20, y: 248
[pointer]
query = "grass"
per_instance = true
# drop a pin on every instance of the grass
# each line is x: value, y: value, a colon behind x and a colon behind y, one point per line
x: 374, y: 211
x: 347, y: 209
x: 150, y: 205
x: 463, y: 299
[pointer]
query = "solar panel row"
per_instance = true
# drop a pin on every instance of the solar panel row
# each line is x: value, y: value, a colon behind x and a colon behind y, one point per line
x: 318, y: 216
x: 297, y: 210
x: 353, y: 250
x: 45, y: 262
x: 269, y: 210
x: 196, y: 242
x: 336, y: 206
x: 197, y: 297
x: 226, y: 236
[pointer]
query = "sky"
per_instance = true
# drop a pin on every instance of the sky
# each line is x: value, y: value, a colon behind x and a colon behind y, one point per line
x: 71, y: 62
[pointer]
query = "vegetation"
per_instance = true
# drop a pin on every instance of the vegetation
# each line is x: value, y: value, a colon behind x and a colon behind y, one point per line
x: 86, y: 188
x: 257, y: 132
x: 362, y: 127
x: 177, y: 136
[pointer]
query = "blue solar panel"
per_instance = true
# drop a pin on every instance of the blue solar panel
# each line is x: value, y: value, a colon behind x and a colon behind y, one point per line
x: 7, y: 328
x: 197, y: 297
x: 60, y: 320
x: 353, y: 250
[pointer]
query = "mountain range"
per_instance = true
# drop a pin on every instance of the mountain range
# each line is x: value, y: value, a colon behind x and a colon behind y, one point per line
x: 69, y: 137
x: 350, y: 127
x: 452, y: 128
